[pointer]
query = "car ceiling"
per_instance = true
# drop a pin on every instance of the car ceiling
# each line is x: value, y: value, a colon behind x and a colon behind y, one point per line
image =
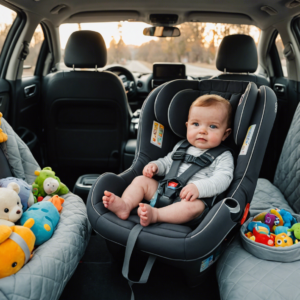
x: 231, y: 11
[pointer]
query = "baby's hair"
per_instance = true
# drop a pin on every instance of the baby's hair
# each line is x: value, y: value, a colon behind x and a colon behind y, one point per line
x: 210, y: 100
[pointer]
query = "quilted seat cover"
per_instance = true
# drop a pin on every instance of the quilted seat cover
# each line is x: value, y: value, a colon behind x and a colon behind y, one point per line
x: 54, y: 262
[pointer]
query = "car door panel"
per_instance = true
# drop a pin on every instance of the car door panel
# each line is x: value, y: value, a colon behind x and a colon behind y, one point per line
x: 4, y: 97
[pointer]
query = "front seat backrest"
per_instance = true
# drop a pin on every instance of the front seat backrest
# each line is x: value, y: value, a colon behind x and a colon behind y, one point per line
x: 238, y: 54
x: 85, y: 112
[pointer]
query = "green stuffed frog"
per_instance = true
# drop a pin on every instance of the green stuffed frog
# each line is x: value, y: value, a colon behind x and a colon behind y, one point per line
x: 47, y: 183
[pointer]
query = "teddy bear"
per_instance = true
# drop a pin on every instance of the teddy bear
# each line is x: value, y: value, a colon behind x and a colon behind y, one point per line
x: 10, y: 204
x: 25, y: 193
x: 47, y: 183
x: 16, y: 245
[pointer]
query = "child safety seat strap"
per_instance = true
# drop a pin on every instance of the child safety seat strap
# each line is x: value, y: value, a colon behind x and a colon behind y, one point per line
x: 169, y: 188
x: 133, y: 235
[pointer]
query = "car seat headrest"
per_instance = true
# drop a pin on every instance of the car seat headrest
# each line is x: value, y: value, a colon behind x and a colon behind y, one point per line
x: 171, y: 109
x: 85, y: 49
x: 237, y: 53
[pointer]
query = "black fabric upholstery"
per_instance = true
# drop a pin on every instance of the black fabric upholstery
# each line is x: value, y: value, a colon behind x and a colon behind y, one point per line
x: 179, y: 243
x: 85, y: 49
x: 259, y: 80
x: 5, y: 170
x: 237, y: 53
x: 86, y: 119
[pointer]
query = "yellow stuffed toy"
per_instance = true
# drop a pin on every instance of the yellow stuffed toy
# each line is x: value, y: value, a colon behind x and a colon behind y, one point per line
x: 16, y: 245
x: 3, y: 136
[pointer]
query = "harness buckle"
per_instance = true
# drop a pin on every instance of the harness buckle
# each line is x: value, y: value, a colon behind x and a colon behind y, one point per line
x: 178, y: 155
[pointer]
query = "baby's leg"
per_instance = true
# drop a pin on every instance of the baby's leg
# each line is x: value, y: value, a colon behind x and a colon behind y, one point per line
x: 141, y: 188
x: 177, y: 213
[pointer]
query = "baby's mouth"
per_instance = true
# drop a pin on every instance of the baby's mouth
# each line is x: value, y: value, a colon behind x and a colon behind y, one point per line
x: 201, y: 139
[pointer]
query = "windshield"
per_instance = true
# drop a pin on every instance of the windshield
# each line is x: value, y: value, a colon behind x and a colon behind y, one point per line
x: 127, y: 46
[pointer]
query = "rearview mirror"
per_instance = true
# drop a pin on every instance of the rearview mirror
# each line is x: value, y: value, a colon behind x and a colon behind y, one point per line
x: 162, y: 31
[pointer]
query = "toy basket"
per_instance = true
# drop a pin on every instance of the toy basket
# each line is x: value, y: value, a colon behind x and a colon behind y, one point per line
x: 280, y: 254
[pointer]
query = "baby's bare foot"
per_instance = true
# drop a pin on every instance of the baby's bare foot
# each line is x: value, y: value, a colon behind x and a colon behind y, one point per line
x: 116, y: 205
x: 147, y: 214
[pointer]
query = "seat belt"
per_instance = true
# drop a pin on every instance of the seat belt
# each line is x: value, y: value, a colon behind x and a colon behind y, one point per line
x: 169, y: 188
x: 133, y: 235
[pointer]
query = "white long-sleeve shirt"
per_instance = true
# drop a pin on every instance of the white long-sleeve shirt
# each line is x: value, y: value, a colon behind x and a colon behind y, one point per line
x: 210, y: 181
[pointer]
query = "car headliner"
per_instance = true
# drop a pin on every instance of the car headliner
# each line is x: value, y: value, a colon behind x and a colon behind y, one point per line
x: 230, y: 11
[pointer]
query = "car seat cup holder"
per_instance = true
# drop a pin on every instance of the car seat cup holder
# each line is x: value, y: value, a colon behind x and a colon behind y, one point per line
x: 232, y: 205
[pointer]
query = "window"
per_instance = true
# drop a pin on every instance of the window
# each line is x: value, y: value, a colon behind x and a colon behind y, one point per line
x: 34, y: 50
x: 7, y: 17
x: 280, y: 47
x: 196, y: 47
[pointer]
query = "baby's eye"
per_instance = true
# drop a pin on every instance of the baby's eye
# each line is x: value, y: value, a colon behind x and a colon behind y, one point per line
x: 213, y: 126
x: 196, y: 124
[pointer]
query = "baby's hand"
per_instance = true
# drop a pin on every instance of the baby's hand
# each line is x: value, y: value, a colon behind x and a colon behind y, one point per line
x: 150, y: 170
x: 189, y: 193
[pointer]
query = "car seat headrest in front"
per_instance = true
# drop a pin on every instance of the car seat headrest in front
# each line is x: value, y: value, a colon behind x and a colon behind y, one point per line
x: 237, y: 53
x: 85, y: 49
x: 174, y: 100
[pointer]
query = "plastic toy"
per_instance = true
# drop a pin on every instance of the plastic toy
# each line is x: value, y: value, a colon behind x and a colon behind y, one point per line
x: 283, y: 240
x: 25, y: 193
x: 287, y: 217
x: 263, y: 238
x: 46, y: 217
x: 48, y: 184
x: 271, y: 220
x: 249, y: 234
x: 10, y: 205
x: 260, y: 227
x: 260, y: 217
x: 57, y: 202
x: 296, y: 230
x: 3, y: 136
x: 13, y: 254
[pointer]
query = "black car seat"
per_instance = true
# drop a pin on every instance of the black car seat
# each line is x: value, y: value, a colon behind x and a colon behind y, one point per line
x: 193, y: 249
x: 86, y: 113
x: 238, y: 54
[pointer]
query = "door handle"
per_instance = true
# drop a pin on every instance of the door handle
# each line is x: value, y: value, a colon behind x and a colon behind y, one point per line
x: 30, y: 90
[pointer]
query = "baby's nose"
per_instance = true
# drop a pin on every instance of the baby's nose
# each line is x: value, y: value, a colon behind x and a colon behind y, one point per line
x: 202, y: 129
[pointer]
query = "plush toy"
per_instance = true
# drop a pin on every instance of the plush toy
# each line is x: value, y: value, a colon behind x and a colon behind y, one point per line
x: 277, y: 214
x: 57, y: 202
x: 10, y: 205
x: 16, y: 245
x: 25, y: 193
x: 45, y: 216
x: 48, y: 184
x: 3, y: 136
x: 281, y: 229
x: 296, y: 230
x: 287, y: 217
x: 283, y: 240
x: 271, y: 220
x: 262, y: 238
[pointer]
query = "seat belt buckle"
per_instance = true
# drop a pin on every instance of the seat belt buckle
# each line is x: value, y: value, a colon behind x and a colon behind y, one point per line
x: 172, y: 185
x: 179, y: 155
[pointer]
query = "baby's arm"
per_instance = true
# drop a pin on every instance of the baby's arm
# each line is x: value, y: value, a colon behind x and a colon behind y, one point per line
x: 150, y: 170
x: 220, y: 180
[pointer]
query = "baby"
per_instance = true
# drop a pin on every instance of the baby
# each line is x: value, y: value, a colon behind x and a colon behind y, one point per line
x: 208, y: 125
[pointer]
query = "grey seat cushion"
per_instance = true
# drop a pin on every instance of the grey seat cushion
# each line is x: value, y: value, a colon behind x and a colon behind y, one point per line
x: 266, y: 196
x: 54, y: 262
x: 243, y: 276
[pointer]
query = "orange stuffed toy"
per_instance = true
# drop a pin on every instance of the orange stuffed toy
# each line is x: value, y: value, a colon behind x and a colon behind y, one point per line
x: 57, y: 202
x: 16, y: 245
x: 3, y: 136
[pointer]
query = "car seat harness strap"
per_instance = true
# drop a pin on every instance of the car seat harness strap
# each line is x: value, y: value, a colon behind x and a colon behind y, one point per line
x: 170, y: 187
x: 132, y: 238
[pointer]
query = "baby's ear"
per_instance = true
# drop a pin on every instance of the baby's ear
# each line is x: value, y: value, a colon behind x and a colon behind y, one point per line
x: 226, y: 134
x: 186, y: 124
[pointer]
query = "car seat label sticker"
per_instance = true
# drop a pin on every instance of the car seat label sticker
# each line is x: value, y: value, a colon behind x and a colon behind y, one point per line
x: 206, y: 263
x: 157, y: 134
x: 247, y: 140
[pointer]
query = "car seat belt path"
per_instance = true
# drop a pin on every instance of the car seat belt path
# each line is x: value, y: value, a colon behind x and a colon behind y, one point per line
x: 169, y: 188
x: 133, y: 235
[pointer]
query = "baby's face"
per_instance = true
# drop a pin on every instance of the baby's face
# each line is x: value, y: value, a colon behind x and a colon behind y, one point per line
x: 207, y: 126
